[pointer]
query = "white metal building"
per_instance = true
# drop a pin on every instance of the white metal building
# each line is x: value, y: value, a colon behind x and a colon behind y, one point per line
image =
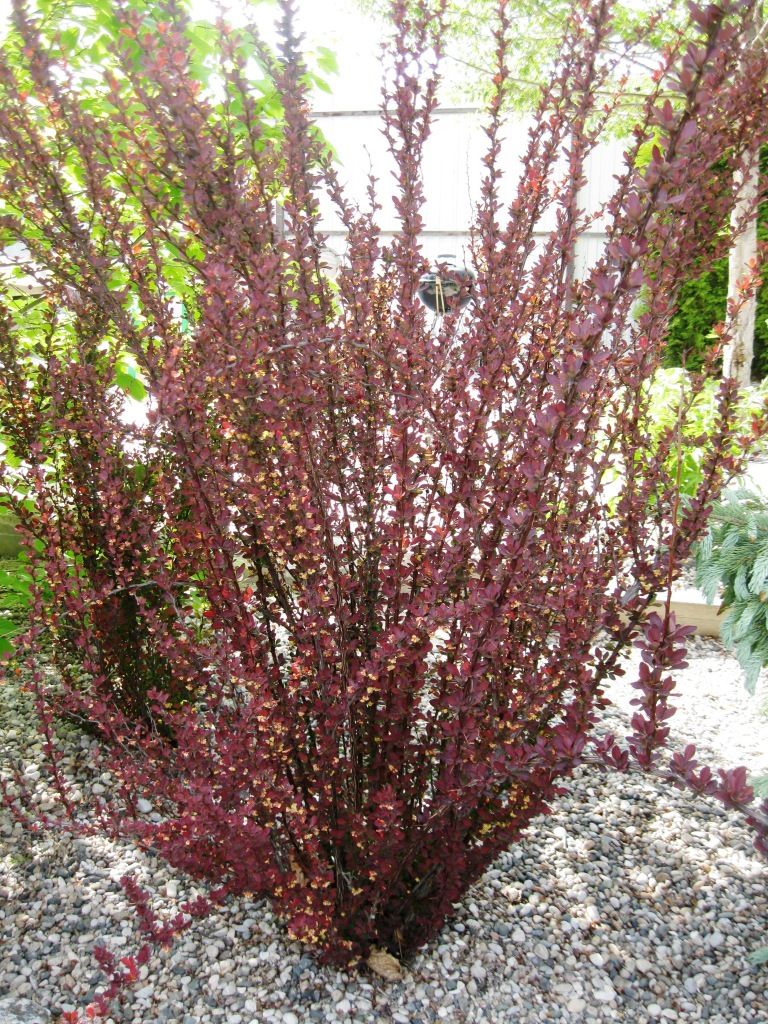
x: 453, y: 171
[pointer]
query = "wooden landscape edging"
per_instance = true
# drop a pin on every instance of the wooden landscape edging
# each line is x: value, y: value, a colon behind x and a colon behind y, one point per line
x: 705, y: 617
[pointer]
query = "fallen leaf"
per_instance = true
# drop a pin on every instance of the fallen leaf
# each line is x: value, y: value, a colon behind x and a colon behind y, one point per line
x: 298, y: 874
x: 385, y: 965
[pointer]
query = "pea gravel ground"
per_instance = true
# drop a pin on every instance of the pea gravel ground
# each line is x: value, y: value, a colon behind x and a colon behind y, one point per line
x: 632, y: 903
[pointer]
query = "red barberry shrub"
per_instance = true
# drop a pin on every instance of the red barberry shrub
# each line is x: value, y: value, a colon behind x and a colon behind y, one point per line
x: 342, y: 604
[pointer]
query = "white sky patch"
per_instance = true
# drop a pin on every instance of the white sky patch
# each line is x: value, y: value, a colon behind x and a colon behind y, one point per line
x: 339, y: 25
x: 354, y: 38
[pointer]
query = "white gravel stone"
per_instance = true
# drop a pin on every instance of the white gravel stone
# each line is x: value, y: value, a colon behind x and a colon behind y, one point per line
x: 591, y: 914
x: 606, y: 994
x: 478, y: 972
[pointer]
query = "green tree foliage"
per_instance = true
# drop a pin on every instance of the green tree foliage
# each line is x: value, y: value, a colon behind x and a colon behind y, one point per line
x: 537, y: 33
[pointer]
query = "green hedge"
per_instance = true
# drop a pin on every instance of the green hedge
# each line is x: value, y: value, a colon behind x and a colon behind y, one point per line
x: 9, y: 538
x: 702, y: 305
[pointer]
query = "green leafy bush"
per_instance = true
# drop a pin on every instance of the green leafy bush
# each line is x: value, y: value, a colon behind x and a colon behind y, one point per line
x: 15, y: 600
x: 683, y: 416
x: 10, y: 542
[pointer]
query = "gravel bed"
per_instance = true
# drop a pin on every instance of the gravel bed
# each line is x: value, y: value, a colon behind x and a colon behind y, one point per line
x: 632, y: 903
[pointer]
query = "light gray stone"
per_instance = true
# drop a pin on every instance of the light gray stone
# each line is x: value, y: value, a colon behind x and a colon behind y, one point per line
x: 478, y: 972
x: 22, y: 1011
x: 606, y: 994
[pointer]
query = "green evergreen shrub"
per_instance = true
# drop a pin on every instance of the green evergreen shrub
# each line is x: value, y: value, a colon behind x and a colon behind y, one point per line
x: 734, y: 556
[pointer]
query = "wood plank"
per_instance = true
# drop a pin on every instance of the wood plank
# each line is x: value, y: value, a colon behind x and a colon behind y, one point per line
x: 705, y: 617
